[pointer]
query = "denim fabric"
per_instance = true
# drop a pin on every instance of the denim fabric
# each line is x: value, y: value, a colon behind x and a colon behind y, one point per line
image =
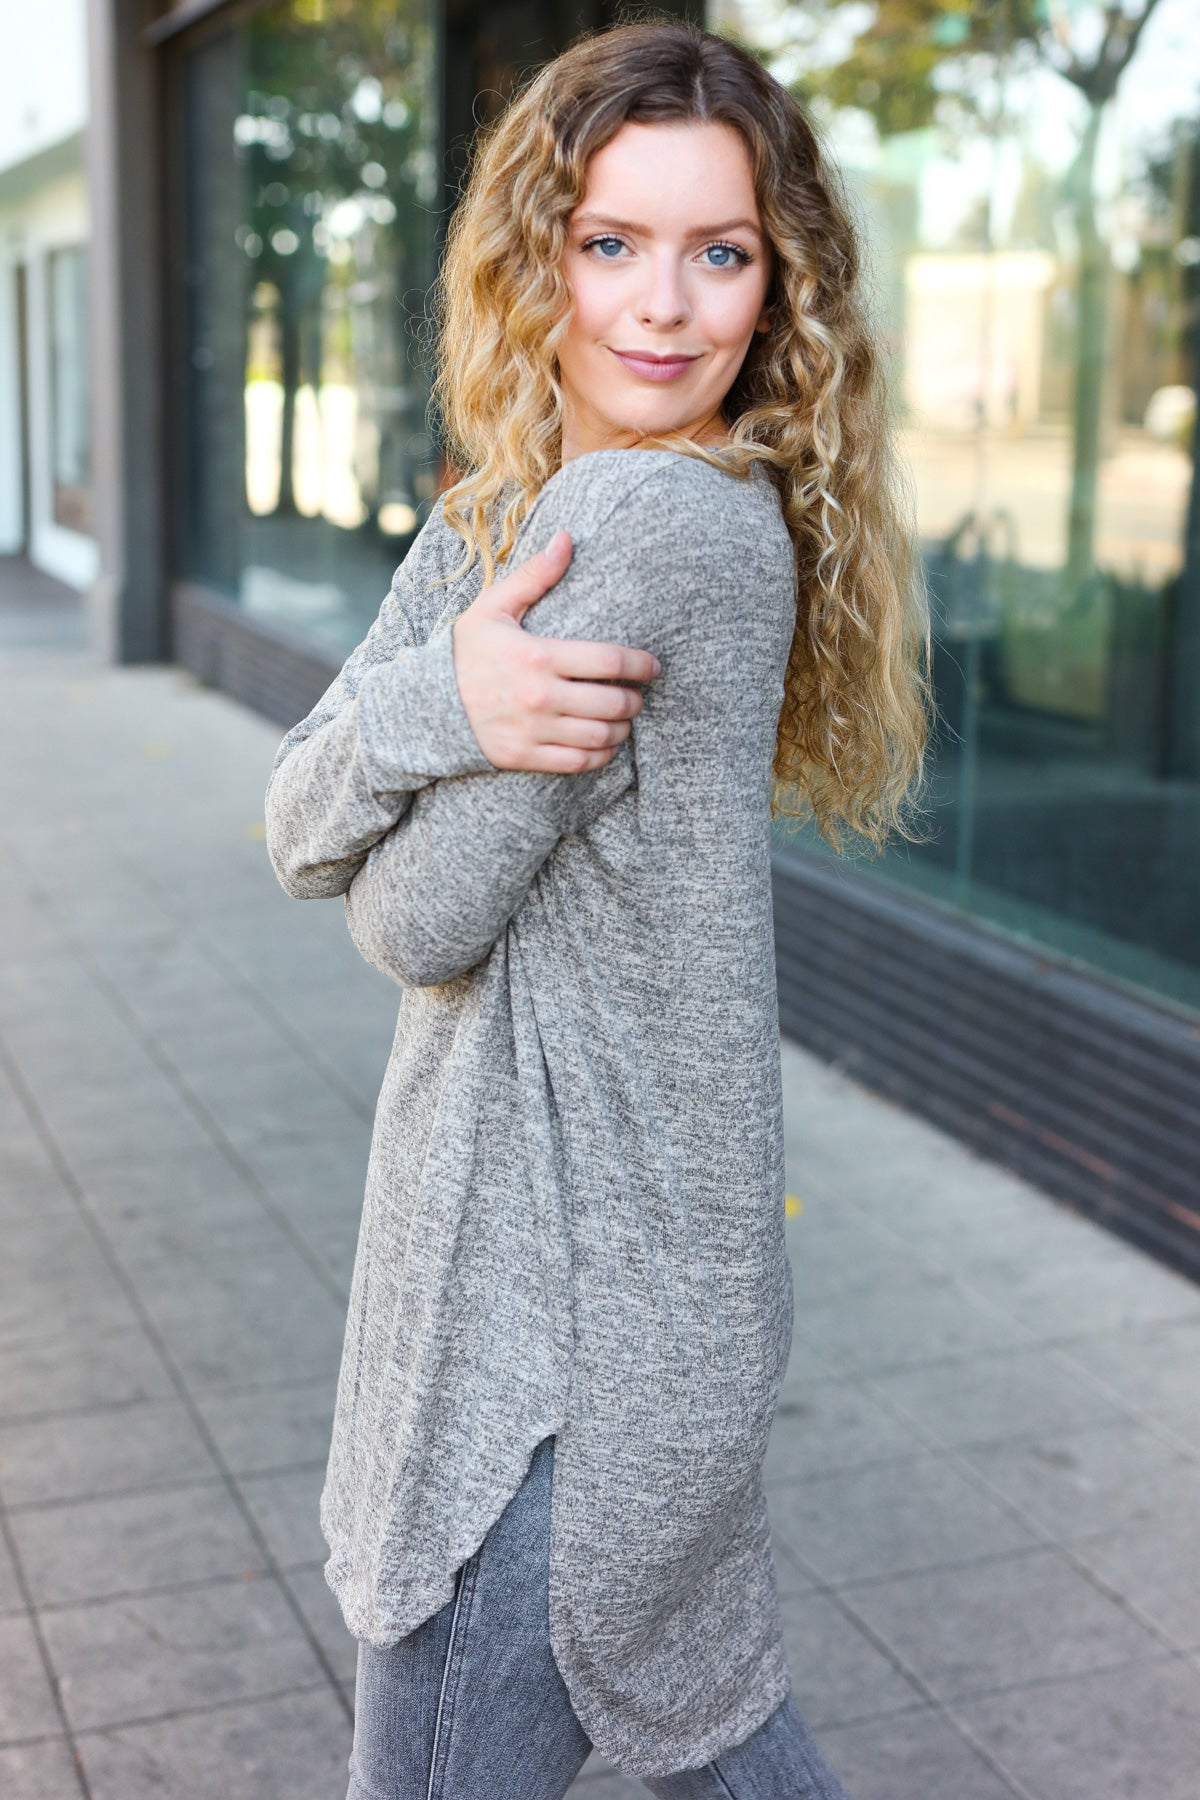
x: 471, y: 1705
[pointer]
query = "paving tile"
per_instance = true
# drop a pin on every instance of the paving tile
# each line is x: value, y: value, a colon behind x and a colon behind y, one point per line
x: 323, y: 1613
x: 1157, y: 1570
x: 1101, y: 1287
x: 956, y: 1208
x: 126, y: 1123
x: 1153, y: 1366
x: 891, y: 1518
x: 40, y: 1771
x: 821, y: 1426
x: 30, y: 1185
x: 265, y: 1319
x: 596, y: 1766
x: 286, y: 1507
x: 1004, y: 1394
x: 837, y: 1672
x: 42, y: 990
x: 889, y: 1166
x: 78, y: 1292
x: 809, y: 1359
x: 27, y: 1706
x: 929, y: 1286
x: 1008, y: 1620
x: 306, y: 1174
x: 168, y: 1213
x: 124, y: 1104
x: 356, y: 1048
x: 295, y: 1747
x: 185, y: 997
x: 85, y: 1455
x: 254, y: 1097
x: 11, y: 1598
x: 919, y: 1315
x: 918, y: 1755
x: 144, y: 1656
x: 272, y: 1428
x: 837, y: 1255
x: 1132, y: 1732
x: 335, y: 1241
x: 80, y: 1367
x: 36, y: 1243
x: 1076, y: 1482
x: 608, y: 1787
x: 789, y: 1577
x: 129, y: 1543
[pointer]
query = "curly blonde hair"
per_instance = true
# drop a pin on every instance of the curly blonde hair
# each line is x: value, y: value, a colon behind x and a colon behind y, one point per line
x: 810, y: 401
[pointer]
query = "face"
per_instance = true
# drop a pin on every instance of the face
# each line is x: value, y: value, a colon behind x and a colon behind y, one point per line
x: 666, y: 258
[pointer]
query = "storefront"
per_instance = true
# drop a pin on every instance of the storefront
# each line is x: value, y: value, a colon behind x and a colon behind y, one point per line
x: 277, y: 179
x: 1029, y: 182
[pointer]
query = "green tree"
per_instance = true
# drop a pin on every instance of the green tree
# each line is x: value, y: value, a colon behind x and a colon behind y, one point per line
x: 337, y: 113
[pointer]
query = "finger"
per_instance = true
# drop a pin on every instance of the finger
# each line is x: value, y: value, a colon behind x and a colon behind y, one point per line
x: 584, y: 734
x: 531, y: 579
x: 592, y: 700
x: 562, y: 759
x: 587, y: 659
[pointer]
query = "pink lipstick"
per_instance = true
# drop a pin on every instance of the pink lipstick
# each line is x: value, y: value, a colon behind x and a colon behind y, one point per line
x: 651, y: 368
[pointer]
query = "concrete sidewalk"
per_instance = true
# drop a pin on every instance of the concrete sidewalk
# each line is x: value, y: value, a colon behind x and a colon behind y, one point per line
x: 985, y: 1473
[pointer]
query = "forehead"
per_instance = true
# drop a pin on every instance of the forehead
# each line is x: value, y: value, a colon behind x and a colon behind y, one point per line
x: 672, y: 172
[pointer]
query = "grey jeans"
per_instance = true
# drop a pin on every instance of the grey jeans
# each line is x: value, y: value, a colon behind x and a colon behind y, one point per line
x: 471, y: 1706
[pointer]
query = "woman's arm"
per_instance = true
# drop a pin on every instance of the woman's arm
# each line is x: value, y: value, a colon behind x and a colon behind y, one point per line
x: 436, y: 891
x: 401, y: 715
x: 660, y: 569
x: 389, y: 723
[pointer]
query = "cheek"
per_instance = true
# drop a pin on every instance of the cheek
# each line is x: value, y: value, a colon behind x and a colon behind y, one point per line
x: 731, y: 317
x: 593, y: 306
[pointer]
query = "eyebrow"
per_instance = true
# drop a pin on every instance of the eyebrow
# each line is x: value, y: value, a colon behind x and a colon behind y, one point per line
x: 591, y: 218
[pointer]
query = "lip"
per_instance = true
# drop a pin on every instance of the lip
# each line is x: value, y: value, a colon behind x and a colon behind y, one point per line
x: 654, y: 368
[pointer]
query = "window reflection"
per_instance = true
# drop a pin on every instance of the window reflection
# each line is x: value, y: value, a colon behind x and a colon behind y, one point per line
x: 1029, y: 184
x: 70, y: 432
x: 309, y: 205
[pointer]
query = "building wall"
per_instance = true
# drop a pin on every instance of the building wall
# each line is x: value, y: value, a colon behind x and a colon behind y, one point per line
x: 51, y: 217
x: 43, y: 208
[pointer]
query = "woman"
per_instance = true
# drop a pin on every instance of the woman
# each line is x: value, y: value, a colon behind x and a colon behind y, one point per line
x: 571, y: 1304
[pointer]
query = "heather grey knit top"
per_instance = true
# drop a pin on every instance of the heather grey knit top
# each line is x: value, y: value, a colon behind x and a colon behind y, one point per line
x: 574, y: 1208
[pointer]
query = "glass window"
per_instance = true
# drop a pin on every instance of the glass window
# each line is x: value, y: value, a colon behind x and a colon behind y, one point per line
x: 70, y: 428
x: 1029, y: 183
x: 306, y: 229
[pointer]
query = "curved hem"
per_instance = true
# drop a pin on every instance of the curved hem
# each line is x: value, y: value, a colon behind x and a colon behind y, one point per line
x: 621, y: 1748
x: 383, y: 1628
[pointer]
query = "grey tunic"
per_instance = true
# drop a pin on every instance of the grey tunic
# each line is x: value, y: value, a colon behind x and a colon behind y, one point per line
x: 573, y: 1218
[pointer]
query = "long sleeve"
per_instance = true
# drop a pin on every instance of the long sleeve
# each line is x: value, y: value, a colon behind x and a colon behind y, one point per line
x: 391, y: 722
x: 655, y: 571
x: 573, y: 1217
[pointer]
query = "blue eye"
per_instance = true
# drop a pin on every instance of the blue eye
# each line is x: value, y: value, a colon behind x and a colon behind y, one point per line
x: 603, y: 240
x: 742, y: 257
x: 735, y: 257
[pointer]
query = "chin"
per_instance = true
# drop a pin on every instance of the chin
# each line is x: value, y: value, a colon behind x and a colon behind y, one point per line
x: 645, y: 425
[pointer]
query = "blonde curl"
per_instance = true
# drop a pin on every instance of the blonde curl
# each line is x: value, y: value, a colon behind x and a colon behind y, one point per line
x: 811, y: 400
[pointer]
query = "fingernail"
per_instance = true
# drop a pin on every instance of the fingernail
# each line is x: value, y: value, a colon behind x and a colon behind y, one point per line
x: 657, y: 666
x: 556, y: 543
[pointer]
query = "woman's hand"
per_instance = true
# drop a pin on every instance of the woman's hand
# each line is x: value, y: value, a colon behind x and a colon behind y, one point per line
x: 537, y: 702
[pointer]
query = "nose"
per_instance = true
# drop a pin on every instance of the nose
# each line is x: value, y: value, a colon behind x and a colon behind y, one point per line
x: 662, y: 302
